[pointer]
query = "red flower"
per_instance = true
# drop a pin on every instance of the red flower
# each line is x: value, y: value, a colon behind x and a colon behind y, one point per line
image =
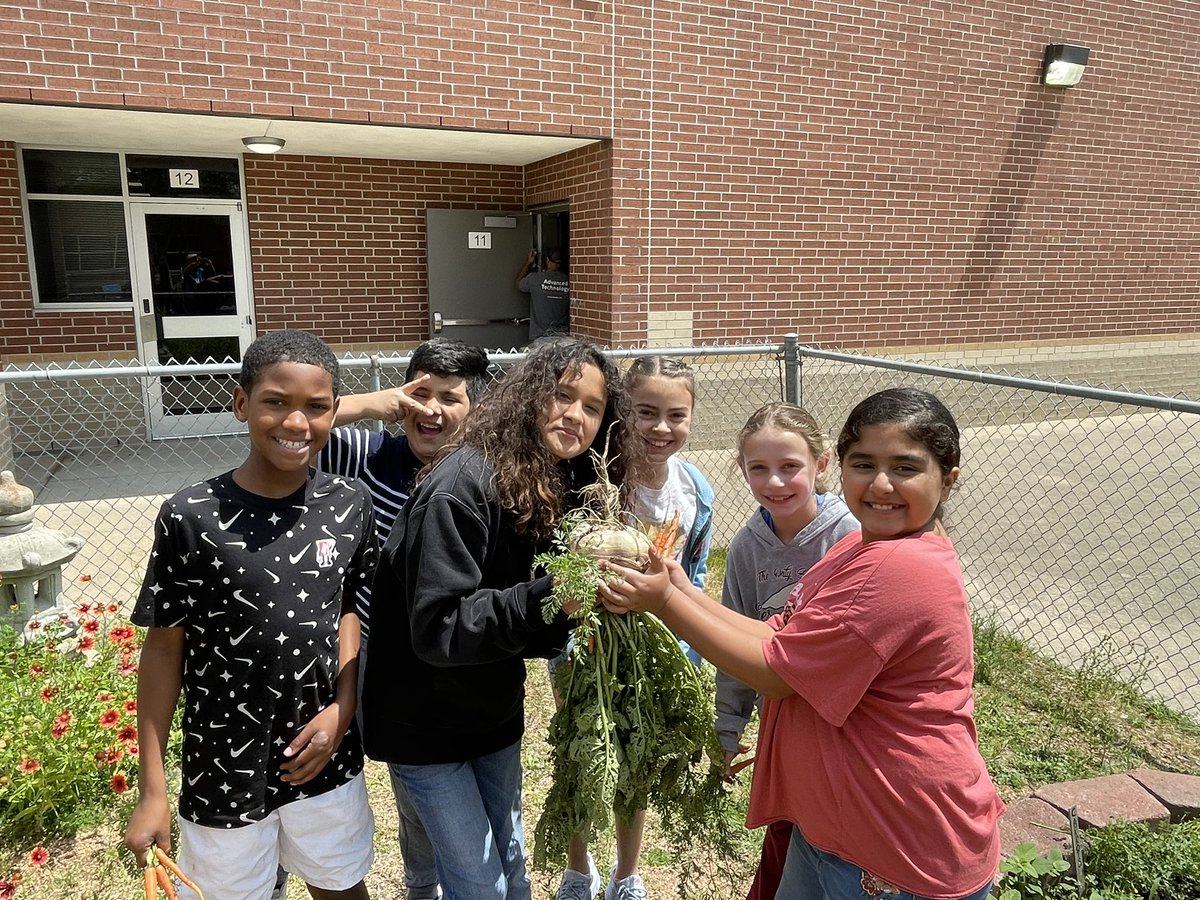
x: 104, y: 697
x: 127, y: 735
x: 119, y: 783
x: 91, y: 626
x: 33, y: 624
x: 109, y: 718
x: 130, y: 706
x: 36, y: 671
x: 121, y: 634
x: 135, y: 751
x: 30, y: 765
x: 85, y: 643
x: 113, y: 608
x: 8, y: 890
x: 49, y: 694
x: 83, y: 609
x: 128, y: 667
x: 59, y: 729
x: 64, y: 718
x: 85, y: 578
x: 38, y: 856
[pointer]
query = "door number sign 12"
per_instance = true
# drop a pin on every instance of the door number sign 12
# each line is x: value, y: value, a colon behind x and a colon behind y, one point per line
x: 188, y: 179
x: 479, y: 240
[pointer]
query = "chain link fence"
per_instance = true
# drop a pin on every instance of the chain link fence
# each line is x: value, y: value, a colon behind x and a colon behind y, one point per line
x: 1075, y: 516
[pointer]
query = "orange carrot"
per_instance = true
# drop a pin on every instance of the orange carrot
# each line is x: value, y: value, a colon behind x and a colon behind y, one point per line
x: 170, y: 864
x: 164, y: 881
x: 151, y: 881
x: 665, y: 540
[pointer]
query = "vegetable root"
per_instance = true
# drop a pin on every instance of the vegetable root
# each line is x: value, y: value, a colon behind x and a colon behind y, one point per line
x: 157, y: 874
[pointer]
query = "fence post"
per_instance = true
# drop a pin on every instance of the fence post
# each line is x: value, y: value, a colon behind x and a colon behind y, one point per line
x: 376, y: 384
x: 791, y: 368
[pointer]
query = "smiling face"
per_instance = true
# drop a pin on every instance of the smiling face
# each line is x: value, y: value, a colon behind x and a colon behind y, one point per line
x: 892, y: 483
x: 288, y: 413
x: 572, y: 417
x: 446, y: 397
x: 662, y: 410
x: 782, y: 472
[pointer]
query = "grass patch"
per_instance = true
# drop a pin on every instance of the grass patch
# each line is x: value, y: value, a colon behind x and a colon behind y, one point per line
x: 1040, y: 722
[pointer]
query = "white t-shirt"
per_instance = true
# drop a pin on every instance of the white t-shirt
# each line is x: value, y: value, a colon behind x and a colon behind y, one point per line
x: 657, y: 506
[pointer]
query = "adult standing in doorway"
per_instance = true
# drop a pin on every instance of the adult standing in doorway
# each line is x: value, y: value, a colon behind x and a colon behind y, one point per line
x: 549, y: 295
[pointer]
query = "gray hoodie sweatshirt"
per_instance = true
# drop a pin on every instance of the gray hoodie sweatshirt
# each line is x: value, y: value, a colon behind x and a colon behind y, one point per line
x: 760, y: 572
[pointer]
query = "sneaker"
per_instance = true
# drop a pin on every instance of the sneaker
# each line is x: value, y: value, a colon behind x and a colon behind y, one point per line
x: 434, y: 892
x: 279, y: 892
x: 578, y: 886
x: 629, y: 888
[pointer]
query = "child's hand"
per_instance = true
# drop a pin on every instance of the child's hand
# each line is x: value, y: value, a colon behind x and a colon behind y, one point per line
x: 393, y: 404
x: 149, y: 824
x: 313, y: 746
x: 646, y: 591
x: 732, y: 768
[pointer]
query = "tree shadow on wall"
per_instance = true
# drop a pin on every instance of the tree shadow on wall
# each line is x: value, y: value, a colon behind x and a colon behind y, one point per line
x: 1026, y: 145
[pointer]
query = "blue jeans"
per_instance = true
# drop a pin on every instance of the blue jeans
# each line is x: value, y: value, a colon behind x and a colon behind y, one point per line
x: 472, y: 813
x: 812, y: 874
x: 420, y: 871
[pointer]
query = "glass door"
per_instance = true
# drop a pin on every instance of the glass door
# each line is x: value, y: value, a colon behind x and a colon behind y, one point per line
x: 193, y: 306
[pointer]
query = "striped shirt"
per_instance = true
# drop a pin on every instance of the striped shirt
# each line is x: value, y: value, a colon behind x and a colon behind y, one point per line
x: 387, y: 467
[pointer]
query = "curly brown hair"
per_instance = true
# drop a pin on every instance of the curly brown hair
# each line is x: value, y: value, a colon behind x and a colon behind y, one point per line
x: 529, y: 481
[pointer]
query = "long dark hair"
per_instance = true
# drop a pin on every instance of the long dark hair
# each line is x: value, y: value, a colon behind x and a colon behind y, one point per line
x: 529, y: 481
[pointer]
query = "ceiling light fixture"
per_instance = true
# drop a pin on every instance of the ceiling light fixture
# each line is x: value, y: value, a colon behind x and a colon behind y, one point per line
x: 263, y: 144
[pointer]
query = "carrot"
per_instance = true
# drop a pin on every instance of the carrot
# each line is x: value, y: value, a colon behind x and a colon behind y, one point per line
x: 170, y: 864
x: 164, y: 881
x: 151, y: 880
x: 665, y: 539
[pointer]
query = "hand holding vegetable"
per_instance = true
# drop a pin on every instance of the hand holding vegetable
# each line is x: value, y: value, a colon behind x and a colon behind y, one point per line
x: 150, y: 825
x: 312, y: 748
x: 732, y: 768
x: 647, y: 591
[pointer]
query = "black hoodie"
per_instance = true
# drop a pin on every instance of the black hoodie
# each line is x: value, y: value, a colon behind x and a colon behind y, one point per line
x: 455, y: 614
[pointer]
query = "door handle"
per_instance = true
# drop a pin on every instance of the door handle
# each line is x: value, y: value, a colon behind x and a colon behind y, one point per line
x: 439, y: 322
x: 145, y: 306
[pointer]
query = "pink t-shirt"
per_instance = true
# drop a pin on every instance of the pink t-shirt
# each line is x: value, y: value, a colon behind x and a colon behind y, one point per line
x: 875, y: 757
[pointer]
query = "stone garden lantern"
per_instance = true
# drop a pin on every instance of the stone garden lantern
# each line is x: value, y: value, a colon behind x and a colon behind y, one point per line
x: 31, y: 557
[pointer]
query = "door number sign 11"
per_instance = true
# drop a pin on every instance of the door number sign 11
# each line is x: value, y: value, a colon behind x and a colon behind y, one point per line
x: 479, y: 240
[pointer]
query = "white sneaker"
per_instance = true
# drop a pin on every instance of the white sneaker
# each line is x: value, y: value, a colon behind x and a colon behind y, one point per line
x: 629, y: 888
x: 577, y: 885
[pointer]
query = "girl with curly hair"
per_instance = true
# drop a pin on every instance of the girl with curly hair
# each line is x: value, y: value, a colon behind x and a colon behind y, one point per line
x: 445, y: 680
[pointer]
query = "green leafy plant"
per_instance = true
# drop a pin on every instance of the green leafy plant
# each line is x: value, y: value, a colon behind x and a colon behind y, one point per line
x: 68, y: 719
x: 1129, y: 859
x: 1027, y: 873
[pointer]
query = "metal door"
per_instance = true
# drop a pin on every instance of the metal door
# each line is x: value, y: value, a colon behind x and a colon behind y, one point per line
x: 473, y: 257
x: 193, y: 305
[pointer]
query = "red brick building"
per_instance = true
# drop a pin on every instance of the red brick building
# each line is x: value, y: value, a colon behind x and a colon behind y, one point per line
x: 874, y: 173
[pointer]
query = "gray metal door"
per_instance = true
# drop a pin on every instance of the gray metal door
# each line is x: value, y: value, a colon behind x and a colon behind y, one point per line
x: 473, y: 258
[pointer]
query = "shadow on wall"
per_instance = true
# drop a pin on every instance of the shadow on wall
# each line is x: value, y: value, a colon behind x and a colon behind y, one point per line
x: 1026, y: 146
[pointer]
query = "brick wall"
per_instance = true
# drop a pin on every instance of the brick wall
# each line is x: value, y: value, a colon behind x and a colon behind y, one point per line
x: 338, y: 245
x: 864, y: 173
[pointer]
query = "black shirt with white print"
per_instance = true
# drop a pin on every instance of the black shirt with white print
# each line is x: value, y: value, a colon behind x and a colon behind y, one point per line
x: 259, y: 586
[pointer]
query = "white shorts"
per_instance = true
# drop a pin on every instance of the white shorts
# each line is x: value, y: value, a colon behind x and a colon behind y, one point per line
x: 327, y: 841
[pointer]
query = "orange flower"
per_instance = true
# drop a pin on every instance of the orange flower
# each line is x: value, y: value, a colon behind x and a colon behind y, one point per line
x: 59, y: 729
x: 85, y: 643
x: 113, y: 608
x: 49, y: 694
x: 36, y: 670
x: 109, y: 718
x: 121, y: 634
x: 91, y: 626
x: 127, y: 735
x: 110, y: 757
x: 119, y: 783
x: 30, y: 765
x: 85, y: 578
x: 130, y: 706
x: 38, y: 856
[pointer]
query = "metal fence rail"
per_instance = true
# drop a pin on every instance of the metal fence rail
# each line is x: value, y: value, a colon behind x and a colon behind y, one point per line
x: 1075, y: 518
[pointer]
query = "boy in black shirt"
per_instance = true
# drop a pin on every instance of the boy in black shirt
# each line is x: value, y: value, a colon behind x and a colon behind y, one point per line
x: 249, y: 599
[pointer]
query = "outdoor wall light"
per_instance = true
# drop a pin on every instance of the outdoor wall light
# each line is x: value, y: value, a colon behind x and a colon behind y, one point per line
x: 1063, y: 65
x: 263, y: 144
